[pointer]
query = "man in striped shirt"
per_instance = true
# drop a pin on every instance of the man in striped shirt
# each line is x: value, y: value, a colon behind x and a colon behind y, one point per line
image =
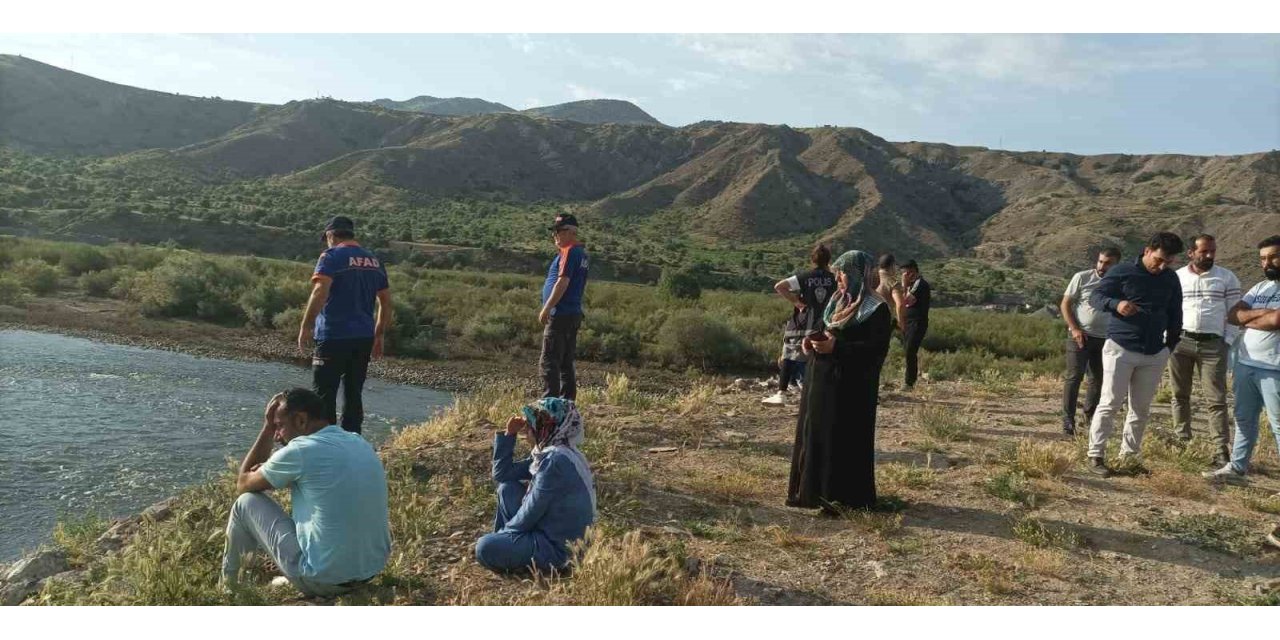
x: 1208, y: 293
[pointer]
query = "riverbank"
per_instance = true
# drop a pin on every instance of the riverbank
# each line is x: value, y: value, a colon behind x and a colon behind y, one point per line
x: 983, y: 501
x: 113, y: 321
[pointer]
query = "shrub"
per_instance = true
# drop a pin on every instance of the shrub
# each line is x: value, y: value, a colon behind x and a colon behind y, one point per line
x: 11, y: 291
x: 261, y: 303
x: 78, y: 259
x: 288, y: 320
x: 37, y: 276
x: 680, y: 284
x: 944, y: 423
x: 691, y: 338
x: 187, y: 285
x: 99, y: 283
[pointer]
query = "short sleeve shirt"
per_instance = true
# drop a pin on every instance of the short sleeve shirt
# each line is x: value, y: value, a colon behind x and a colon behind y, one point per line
x: 1092, y: 321
x: 1259, y: 348
x: 339, y: 502
x: 814, y: 288
x: 570, y: 262
x: 357, y: 276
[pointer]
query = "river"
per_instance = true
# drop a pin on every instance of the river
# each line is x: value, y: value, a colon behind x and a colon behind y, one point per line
x: 94, y: 428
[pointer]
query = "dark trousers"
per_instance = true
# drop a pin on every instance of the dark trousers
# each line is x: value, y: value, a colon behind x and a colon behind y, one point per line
x: 559, y: 345
x: 912, y: 337
x: 1080, y: 359
x: 790, y: 371
x: 344, y: 361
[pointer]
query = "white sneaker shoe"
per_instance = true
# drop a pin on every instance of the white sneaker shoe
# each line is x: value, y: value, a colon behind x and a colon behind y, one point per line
x: 776, y: 400
x: 1227, y: 474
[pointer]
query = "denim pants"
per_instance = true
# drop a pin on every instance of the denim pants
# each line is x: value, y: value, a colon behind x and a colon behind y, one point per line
x: 505, y: 550
x: 343, y: 361
x: 1125, y: 374
x: 1255, y: 389
x: 791, y: 371
x: 259, y: 523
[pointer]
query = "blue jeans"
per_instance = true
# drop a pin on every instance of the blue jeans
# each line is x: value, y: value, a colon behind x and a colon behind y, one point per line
x: 1255, y: 389
x: 507, y: 550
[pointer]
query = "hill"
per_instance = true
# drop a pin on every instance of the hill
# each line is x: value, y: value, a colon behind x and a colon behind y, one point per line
x: 740, y: 198
x: 50, y: 110
x: 445, y: 106
x: 596, y: 112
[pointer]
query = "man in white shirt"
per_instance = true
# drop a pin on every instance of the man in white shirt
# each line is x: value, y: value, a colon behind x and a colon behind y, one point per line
x: 1208, y: 293
x: 1087, y: 329
x: 1257, y: 370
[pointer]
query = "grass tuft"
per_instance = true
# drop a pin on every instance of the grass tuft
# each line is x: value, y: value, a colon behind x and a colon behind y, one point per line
x: 944, y: 423
x: 1038, y: 534
x: 1214, y: 532
x: 1012, y: 486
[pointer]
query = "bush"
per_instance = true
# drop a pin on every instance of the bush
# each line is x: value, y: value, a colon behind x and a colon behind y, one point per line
x: 262, y: 303
x: 288, y: 320
x: 501, y: 327
x: 691, y: 338
x: 186, y: 285
x: 81, y: 259
x: 37, y: 276
x: 11, y: 291
x: 99, y: 283
x: 680, y: 284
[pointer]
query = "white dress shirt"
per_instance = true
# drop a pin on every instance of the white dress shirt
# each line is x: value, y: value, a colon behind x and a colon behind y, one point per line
x: 1206, y: 298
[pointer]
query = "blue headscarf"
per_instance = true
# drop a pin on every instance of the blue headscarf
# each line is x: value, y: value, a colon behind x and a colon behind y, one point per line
x: 858, y: 268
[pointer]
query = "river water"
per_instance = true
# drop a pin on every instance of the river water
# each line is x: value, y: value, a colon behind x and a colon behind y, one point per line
x: 88, y: 427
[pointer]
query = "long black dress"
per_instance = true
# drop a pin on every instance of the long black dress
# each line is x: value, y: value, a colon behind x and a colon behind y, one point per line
x: 833, y: 461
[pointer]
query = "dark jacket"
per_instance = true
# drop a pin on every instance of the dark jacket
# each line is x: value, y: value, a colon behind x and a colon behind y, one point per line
x: 1158, y: 323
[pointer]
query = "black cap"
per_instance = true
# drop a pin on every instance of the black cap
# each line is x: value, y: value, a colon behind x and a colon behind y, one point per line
x: 564, y: 220
x: 339, y: 223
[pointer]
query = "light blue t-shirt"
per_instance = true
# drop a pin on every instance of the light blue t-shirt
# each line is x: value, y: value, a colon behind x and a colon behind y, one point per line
x: 339, y: 492
x: 1258, y: 348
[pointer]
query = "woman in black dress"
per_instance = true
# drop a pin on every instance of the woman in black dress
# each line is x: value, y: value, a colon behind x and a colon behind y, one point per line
x: 833, y: 463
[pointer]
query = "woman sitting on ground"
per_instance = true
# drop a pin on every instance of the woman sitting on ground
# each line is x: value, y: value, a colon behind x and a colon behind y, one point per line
x: 535, y: 525
x: 833, y: 462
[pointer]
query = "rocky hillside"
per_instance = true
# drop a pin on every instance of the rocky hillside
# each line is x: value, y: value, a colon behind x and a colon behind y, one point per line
x: 596, y: 112
x: 445, y: 106
x: 47, y: 109
x: 716, y: 183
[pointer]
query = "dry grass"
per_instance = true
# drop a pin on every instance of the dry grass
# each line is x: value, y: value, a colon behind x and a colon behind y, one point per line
x: 1037, y: 460
x: 1260, y: 501
x: 905, y: 597
x: 629, y: 571
x: 994, y: 576
x: 491, y: 406
x: 619, y: 393
x: 732, y: 485
x: 944, y: 423
x: 1177, y: 484
x: 1046, y: 562
x: 785, y: 538
x: 897, y: 478
x: 696, y: 400
x: 1038, y: 534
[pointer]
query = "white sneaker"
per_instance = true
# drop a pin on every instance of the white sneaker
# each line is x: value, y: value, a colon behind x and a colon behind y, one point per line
x: 776, y: 400
x: 1227, y: 474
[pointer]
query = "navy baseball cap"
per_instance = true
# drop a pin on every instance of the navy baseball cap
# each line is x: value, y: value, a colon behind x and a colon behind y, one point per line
x: 339, y: 223
x: 564, y: 220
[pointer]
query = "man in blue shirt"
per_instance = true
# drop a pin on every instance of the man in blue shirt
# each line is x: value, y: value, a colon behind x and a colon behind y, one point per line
x: 340, y: 317
x: 1144, y: 300
x: 339, y: 535
x: 561, y: 314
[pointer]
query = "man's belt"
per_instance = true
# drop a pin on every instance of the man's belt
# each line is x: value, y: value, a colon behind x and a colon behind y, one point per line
x: 1201, y: 337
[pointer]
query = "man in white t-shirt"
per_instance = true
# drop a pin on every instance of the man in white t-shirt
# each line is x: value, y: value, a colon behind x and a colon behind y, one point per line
x: 1209, y: 292
x: 1257, y: 370
x: 1087, y: 329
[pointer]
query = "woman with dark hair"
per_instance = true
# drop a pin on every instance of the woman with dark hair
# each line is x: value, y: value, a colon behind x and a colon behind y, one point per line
x: 545, y: 501
x: 833, y: 462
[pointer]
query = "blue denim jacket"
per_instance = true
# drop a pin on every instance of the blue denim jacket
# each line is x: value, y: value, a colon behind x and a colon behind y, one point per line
x: 558, y: 502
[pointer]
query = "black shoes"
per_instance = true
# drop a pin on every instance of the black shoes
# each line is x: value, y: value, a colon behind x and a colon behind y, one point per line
x: 1069, y: 428
x: 1098, y: 468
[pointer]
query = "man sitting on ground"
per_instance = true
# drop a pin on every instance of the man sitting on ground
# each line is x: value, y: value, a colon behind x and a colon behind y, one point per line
x: 339, y: 535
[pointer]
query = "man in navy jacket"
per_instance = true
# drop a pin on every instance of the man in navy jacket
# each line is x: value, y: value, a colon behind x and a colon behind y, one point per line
x: 1144, y: 299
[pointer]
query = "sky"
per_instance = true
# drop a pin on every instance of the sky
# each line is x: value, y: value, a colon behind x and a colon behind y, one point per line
x: 1087, y: 94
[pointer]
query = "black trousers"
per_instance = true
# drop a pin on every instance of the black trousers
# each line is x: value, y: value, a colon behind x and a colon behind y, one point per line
x: 345, y: 362
x: 559, y: 346
x: 1078, y: 360
x: 790, y: 371
x: 912, y: 337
